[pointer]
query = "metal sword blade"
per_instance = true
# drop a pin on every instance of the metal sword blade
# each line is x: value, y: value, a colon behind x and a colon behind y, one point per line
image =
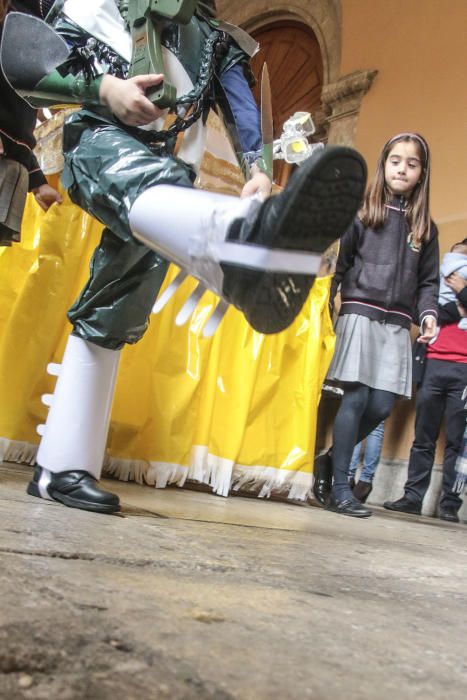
x: 267, y: 124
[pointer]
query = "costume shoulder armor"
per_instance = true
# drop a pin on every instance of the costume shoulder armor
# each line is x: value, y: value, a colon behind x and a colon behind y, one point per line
x: 34, y: 72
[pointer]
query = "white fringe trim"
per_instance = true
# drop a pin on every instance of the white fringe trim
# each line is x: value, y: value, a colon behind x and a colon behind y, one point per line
x: 157, y: 474
x: 222, y: 475
x: 14, y: 451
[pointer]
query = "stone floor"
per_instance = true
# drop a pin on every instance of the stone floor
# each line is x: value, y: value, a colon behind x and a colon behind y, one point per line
x: 187, y: 595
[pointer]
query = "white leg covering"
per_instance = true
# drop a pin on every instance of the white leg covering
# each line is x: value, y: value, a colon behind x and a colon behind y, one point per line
x: 186, y: 226
x: 75, y: 434
x: 189, y: 227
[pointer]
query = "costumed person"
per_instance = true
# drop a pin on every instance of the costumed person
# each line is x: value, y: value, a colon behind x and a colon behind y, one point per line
x: 19, y: 170
x: 132, y: 166
x: 388, y: 273
x: 440, y: 395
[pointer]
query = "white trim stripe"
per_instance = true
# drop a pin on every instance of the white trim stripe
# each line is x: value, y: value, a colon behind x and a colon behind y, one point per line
x: 18, y: 143
x: 269, y: 259
x: 379, y: 308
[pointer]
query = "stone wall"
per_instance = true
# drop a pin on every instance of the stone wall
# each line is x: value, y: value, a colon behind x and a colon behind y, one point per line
x: 322, y: 16
x: 342, y: 95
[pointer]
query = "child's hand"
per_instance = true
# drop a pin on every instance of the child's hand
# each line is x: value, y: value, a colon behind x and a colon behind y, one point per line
x: 428, y: 330
x: 259, y: 184
x: 462, y: 310
x: 46, y: 195
x: 456, y: 282
x: 127, y: 100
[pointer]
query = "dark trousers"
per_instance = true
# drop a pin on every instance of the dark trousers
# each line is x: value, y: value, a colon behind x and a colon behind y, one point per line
x: 438, y: 395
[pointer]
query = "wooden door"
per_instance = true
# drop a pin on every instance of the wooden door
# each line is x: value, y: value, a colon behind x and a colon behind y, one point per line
x: 293, y: 55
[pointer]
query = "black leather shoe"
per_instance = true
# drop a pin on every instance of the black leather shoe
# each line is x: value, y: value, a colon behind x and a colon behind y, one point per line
x: 316, y: 207
x: 404, y: 505
x: 348, y: 506
x: 449, y: 513
x: 76, y: 489
x: 322, y: 472
x: 362, y: 490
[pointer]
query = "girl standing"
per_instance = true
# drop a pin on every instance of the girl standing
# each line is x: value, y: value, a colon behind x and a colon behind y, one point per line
x: 388, y: 272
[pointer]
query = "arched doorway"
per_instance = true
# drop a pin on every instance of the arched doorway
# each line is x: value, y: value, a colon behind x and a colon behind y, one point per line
x: 293, y: 55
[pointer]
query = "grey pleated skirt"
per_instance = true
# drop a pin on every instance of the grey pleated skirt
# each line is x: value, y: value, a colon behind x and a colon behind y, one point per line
x: 372, y: 353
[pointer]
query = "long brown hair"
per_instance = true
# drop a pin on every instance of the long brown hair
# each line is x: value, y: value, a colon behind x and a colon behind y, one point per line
x: 374, y: 212
x: 3, y: 9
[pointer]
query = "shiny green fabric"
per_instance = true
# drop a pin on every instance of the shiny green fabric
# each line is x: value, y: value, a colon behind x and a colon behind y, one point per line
x: 107, y: 166
x: 115, y: 305
x: 106, y: 169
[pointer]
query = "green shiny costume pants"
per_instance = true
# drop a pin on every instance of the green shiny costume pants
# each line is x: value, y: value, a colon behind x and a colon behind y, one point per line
x: 107, y: 168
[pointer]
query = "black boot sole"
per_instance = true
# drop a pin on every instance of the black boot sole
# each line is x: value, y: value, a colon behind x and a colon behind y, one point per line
x: 326, y: 194
x: 276, y: 300
x: 33, y: 490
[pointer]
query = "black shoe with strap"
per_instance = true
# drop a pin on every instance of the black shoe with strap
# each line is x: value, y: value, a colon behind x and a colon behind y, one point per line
x: 76, y: 489
x: 316, y: 207
x: 348, y: 506
x: 404, y: 505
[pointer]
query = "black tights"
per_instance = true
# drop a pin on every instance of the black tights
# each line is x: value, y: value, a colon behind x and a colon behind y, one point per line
x: 361, y: 410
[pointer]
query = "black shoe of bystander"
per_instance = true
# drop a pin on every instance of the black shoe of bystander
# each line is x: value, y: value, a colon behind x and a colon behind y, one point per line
x: 362, y: 490
x: 348, y: 506
x: 449, y: 513
x: 404, y: 505
x: 322, y: 472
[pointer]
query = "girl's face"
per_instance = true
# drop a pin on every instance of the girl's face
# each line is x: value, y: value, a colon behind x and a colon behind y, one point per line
x: 403, y: 168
